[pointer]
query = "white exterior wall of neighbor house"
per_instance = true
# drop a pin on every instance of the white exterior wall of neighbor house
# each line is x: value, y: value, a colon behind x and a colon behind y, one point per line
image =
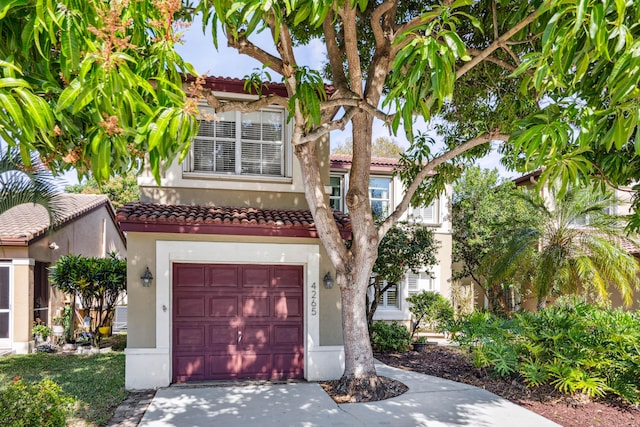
x: 395, y: 307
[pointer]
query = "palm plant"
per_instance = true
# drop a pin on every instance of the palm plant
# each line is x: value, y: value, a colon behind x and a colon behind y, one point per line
x: 27, y: 182
x: 576, y: 249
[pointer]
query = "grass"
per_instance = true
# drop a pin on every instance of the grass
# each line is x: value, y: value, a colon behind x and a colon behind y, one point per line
x: 96, y: 383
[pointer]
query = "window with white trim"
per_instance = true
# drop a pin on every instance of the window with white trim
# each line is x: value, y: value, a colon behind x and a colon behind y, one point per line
x: 380, y: 196
x: 335, y: 198
x: 421, y: 281
x: 389, y: 300
x: 426, y: 214
x: 240, y: 144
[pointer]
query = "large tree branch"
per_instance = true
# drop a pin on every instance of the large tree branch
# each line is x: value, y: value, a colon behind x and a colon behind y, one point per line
x: 351, y: 43
x: 244, y: 46
x: 429, y: 169
x: 358, y: 103
x: 324, y: 129
x: 497, y: 61
x: 498, y: 43
x: 243, y: 106
x: 334, y: 53
x: 376, y: 16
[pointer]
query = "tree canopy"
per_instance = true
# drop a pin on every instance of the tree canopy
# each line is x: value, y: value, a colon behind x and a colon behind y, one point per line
x: 381, y: 147
x: 485, y: 214
x: 120, y: 189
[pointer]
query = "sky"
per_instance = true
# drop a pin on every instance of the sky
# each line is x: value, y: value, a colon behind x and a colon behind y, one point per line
x: 199, y: 50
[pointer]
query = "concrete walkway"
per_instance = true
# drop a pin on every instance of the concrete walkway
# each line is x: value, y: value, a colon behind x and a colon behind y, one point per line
x: 430, y: 401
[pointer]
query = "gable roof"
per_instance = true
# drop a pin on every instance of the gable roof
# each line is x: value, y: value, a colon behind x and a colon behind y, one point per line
x: 154, y: 217
x: 24, y: 223
x: 378, y: 164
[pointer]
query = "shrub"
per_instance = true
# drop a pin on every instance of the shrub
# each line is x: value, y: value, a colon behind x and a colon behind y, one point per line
x: 387, y: 337
x: 41, y: 404
x: 431, y: 311
x: 574, y: 348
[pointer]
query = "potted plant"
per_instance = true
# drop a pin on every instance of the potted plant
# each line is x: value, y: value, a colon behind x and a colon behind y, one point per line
x: 419, y: 344
x: 40, y: 331
x: 57, y: 327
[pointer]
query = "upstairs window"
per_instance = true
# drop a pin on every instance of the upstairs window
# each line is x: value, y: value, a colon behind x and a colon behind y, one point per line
x: 241, y: 144
x: 335, y: 198
x: 380, y: 196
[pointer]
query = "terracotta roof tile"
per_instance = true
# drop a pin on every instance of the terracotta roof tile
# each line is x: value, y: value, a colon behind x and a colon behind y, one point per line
x: 154, y: 217
x: 344, y: 161
x: 235, y: 85
x: 27, y: 221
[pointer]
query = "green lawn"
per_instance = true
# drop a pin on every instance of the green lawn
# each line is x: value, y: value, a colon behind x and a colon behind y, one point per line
x: 96, y: 383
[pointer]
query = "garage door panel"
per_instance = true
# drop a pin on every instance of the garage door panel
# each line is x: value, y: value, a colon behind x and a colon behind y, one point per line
x: 287, y: 276
x: 288, y: 365
x: 190, y: 336
x: 256, y: 365
x: 191, y: 306
x: 221, y: 336
x: 224, y: 366
x: 257, y: 276
x: 223, y: 306
x: 253, y: 306
x: 222, y: 276
x: 286, y: 335
x: 287, y: 306
x: 189, y: 275
x: 256, y: 336
x: 190, y: 366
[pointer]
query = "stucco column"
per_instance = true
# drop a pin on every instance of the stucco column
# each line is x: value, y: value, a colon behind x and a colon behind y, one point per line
x: 22, y: 305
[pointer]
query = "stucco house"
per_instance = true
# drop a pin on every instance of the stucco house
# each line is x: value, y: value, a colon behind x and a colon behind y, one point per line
x: 242, y: 287
x: 29, y: 246
x: 386, y: 192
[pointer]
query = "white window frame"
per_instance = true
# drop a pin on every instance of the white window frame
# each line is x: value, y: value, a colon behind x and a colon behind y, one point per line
x: 340, y: 197
x: 427, y: 215
x: 383, y: 302
x: 286, y: 153
x: 388, y: 199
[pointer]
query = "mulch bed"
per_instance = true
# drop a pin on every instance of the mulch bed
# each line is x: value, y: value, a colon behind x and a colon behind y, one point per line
x: 569, y: 411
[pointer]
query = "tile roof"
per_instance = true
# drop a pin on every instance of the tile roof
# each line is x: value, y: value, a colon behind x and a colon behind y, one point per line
x: 235, y: 85
x: 153, y: 217
x: 343, y: 161
x: 23, y: 223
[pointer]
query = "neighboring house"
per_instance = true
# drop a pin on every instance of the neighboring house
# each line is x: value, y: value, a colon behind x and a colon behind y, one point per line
x: 623, y: 207
x: 386, y: 192
x: 28, y: 247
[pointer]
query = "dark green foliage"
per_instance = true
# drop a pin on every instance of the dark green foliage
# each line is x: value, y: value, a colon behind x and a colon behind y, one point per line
x: 575, y: 348
x: 387, y: 337
x: 430, y: 311
x: 42, y: 404
x: 98, y: 282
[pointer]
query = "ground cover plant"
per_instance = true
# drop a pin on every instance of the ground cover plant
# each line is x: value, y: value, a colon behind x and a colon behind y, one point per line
x: 95, y: 384
x: 575, y: 348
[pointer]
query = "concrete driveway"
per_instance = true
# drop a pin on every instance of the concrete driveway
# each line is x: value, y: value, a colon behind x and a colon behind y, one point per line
x: 430, y: 401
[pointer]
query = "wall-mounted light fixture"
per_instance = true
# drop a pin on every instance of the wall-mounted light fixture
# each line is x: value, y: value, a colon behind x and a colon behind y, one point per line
x: 328, y: 280
x: 54, y: 246
x: 147, y: 278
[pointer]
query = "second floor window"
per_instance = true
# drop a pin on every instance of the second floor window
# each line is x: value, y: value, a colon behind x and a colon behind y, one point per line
x: 335, y: 198
x: 380, y: 196
x: 241, y: 144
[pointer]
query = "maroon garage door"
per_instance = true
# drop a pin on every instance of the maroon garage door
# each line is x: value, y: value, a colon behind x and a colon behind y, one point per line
x: 237, y: 321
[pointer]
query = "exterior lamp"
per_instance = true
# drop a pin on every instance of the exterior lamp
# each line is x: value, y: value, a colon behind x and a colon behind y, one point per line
x: 146, y: 278
x: 328, y: 281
